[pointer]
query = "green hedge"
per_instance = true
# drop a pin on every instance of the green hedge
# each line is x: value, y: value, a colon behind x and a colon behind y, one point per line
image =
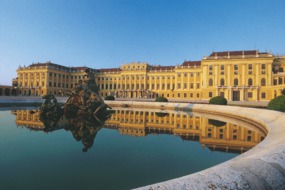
x: 161, y: 99
x: 218, y: 100
x: 161, y: 114
x: 216, y: 123
x: 109, y: 98
x: 277, y: 103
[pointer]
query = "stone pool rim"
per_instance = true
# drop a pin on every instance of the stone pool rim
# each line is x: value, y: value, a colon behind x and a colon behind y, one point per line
x: 262, y: 167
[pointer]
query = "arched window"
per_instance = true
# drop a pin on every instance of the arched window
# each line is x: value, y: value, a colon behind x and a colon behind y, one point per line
x: 222, y: 82
x: 249, y: 82
x: 210, y: 82
x: 236, y: 82
x: 263, y: 82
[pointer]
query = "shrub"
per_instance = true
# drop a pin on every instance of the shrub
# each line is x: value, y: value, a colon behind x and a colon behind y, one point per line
x: 109, y: 98
x: 277, y: 103
x: 283, y: 91
x: 161, y: 99
x: 161, y: 114
x: 218, y: 100
x: 216, y: 123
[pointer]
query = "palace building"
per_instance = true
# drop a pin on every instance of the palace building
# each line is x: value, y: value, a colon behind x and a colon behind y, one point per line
x: 214, y: 134
x: 235, y: 75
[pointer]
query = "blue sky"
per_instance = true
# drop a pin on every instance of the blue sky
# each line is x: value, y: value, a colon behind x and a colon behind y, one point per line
x: 108, y: 33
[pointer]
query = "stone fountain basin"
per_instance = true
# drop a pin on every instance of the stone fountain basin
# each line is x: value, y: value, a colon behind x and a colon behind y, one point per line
x: 262, y: 167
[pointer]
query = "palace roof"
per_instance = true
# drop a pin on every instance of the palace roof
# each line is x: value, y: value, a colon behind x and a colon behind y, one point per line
x: 191, y: 63
x: 162, y: 68
x: 109, y: 70
x: 234, y: 53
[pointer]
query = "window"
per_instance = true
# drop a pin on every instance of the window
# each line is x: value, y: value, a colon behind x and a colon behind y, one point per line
x: 249, y: 94
x: 198, y: 85
x: 236, y: 82
x: 263, y: 82
x: 210, y: 82
x: 222, y: 82
x: 210, y: 94
x: 210, y: 67
x: 280, y: 81
x: 222, y: 67
x: 191, y: 85
x: 263, y: 66
x: 263, y: 95
x: 168, y: 86
x: 249, y: 82
x: 185, y: 85
x: 249, y: 66
x: 222, y: 94
x: 185, y: 95
x: 235, y: 67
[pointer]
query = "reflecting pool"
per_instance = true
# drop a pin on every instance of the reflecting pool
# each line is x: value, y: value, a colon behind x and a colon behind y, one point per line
x: 132, y: 148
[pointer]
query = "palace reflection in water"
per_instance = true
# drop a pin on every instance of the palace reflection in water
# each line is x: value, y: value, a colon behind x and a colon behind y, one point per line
x: 211, y: 133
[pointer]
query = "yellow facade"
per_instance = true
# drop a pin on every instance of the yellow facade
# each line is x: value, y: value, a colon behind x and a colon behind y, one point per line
x: 243, y: 76
x: 214, y: 135
x: 226, y: 137
x: 236, y: 75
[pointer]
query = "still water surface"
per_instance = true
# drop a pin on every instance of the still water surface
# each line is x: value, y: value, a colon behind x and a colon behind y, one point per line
x: 133, y: 149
